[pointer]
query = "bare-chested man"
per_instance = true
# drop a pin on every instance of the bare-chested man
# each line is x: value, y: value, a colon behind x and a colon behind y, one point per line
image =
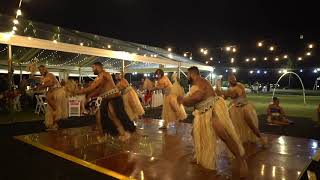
x: 56, y: 98
x: 242, y: 113
x: 211, y: 121
x: 130, y: 98
x: 171, y: 110
x: 111, y: 116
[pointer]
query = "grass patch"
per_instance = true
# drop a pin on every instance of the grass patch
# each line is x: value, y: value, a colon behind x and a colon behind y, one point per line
x: 292, y: 104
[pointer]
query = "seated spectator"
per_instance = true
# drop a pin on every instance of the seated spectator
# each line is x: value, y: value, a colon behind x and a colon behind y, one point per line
x: 276, y: 114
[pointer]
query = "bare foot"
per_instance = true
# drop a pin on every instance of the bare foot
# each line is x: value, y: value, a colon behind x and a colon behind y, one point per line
x: 125, y: 136
x: 163, y: 127
x: 243, y: 169
x: 264, y: 142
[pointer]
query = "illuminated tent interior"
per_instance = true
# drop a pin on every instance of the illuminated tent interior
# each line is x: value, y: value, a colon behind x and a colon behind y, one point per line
x: 73, y: 52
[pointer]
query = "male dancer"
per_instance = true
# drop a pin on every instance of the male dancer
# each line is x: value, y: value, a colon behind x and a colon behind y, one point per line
x: 111, y: 116
x: 242, y: 113
x: 171, y: 110
x: 56, y: 98
x: 130, y: 98
x: 211, y: 121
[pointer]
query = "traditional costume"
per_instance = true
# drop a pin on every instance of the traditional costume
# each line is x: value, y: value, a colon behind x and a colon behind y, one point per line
x: 240, y: 109
x: 132, y: 104
x: 108, y: 126
x: 173, y: 111
x: 205, y: 138
x: 61, y: 101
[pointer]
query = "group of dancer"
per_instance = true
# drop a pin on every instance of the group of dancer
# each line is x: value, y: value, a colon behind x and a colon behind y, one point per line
x: 119, y: 107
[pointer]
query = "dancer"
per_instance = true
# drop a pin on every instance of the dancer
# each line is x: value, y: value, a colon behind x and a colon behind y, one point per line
x: 56, y: 97
x: 242, y: 113
x: 130, y: 98
x: 171, y: 110
x: 111, y: 117
x: 211, y: 120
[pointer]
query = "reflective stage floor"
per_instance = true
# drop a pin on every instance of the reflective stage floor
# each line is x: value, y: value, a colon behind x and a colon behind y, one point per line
x: 154, y: 154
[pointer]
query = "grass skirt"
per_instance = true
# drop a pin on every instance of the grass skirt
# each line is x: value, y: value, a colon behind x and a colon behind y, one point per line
x: 237, y: 115
x: 132, y: 105
x: 205, y: 138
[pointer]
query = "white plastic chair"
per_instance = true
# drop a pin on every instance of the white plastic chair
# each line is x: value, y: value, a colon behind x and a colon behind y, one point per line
x: 41, y: 104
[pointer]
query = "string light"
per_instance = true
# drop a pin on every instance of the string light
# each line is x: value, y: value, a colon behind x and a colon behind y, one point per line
x: 251, y: 72
x: 169, y: 49
x: 271, y: 48
x: 310, y: 46
x: 253, y: 59
x: 234, y: 50
x: 109, y: 46
x: 228, y: 48
x: 19, y: 13
x: 260, y: 44
x: 185, y: 54
x: 265, y: 58
x: 201, y: 50
x: 211, y: 58
x: 276, y: 59
x: 285, y: 56
x: 247, y: 60
x: 232, y: 60
x: 308, y: 53
x: 234, y: 70
x: 299, y: 58
x: 207, y: 62
x: 15, y: 21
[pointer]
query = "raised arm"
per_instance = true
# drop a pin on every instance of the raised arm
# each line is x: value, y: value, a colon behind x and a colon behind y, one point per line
x: 96, y: 83
x: 50, y: 80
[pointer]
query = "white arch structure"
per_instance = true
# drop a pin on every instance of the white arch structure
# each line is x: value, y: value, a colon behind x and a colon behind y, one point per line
x: 303, y: 90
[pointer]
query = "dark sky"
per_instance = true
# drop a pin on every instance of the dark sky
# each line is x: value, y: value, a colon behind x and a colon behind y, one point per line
x: 188, y: 25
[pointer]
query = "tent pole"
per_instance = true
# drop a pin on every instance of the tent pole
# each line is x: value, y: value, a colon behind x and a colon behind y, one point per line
x: 80, y: 79
x: 179, y: 70
x: 10, y: 76
x: 122, y: 69
x: 20, y: 71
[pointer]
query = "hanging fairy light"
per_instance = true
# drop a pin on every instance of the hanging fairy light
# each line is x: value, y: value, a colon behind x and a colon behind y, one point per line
x: 169, y: 49
x: 19, y: 13
x: 265, y: 58
x: 232, y: 60
x: 299, y: 58
x: 234, y: 70
x: 271, y: 48
x: 15, y: 21
x: 228, y: 48
x: 308, y: 53
x: 310, y: 46
x: 260, y: 44
x: 185, y: 54
x: 109, y: 46
x: 211, y: 58
x: 234, y: 50
x: 276, y: 59
x: 285, y: 56
x: 207, y: 62
x: 254, y: 59
x: 247, y: 60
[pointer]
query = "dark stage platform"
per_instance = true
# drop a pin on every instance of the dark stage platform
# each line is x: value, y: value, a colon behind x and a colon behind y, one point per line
x: 155, y: 154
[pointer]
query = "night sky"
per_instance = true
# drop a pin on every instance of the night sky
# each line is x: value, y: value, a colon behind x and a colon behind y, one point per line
x: 190, y: 25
